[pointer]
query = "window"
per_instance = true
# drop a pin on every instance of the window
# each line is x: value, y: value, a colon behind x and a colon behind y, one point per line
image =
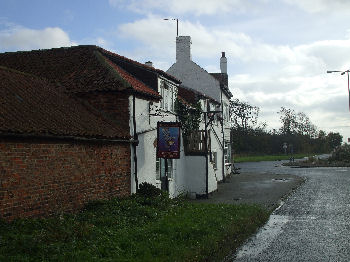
x: 171, y: 98
x: 170, y: 168
x: 203, y: 104
x: 224, y: 112
x: 215, y: 160
x: 162, y: 94
x: 227, y: 152
x: 227, y: 109
x: 168, y: 94
x: 160, y: 168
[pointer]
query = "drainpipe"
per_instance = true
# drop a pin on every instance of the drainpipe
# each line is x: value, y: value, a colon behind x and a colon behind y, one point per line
x: 135, y: 138
x: 223, y: 140
x: 206, y: 157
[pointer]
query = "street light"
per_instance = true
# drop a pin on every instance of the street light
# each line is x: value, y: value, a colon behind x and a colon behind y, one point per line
x: 342, y: 73
x: 177, y: 24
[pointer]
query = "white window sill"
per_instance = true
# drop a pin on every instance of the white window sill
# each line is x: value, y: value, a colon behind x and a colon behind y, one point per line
x: 159, y: 182
x: 167, y: 111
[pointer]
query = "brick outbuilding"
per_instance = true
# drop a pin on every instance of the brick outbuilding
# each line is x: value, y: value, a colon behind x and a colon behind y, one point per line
x: 55, y: 154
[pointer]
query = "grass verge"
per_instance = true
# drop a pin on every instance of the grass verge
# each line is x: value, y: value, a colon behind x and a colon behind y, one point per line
x: 133, y: 229
x: 240, y: 159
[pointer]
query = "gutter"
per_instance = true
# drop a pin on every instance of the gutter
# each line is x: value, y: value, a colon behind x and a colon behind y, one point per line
x: 77, y: 138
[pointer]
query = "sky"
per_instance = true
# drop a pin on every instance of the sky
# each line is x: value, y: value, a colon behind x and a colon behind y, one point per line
x: 278, y: 51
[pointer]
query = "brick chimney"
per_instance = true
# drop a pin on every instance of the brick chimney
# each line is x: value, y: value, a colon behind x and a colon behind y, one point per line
x: 183, y: 48
x: 223, y: 63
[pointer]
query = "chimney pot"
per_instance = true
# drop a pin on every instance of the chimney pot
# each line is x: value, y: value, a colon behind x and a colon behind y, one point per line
x: 223, y: 63
x: 149, y: 63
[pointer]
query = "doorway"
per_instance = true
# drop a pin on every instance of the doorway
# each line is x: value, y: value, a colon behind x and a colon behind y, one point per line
x: 164, y: 169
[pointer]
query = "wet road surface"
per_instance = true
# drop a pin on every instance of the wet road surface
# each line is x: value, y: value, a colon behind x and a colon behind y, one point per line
x: 313, y: 224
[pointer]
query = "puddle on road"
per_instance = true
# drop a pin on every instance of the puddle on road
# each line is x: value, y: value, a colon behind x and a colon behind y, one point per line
x: 280, y: 179
x: 263, y: 238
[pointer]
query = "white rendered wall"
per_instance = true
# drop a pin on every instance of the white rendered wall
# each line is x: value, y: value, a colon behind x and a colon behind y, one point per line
x: 148, y: 114
x: 195, y: 77
x: 190, y: 171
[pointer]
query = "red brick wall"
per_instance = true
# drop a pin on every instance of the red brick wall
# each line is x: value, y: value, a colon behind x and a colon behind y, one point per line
x: 44, y: 178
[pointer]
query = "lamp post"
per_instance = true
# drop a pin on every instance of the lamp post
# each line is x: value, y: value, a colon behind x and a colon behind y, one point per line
x: 177, y: 24
x: 342, y: 73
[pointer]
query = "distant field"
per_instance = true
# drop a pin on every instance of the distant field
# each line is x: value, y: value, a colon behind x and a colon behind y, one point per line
x: 240, y: 159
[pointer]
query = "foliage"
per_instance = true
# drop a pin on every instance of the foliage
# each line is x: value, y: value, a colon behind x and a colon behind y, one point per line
x: 128, y: 230
x: 148, y: 190
x: 288, y: 119
x: 334, y: 140
x: 297, y: 132
x: 341, y: 153
x: 243, y: 115
x: 296, y: 123
x: 263, y: 143
x: 189, y: 116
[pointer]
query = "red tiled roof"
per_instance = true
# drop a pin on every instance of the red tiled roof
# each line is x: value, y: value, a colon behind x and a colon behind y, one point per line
x: 187, y: 95
x: 161, y: 72
x: 190, y: 96
x: 32, y: 106
x: 223, y: 80
x: 77, y: 69
x: 81, y: 69
x: 135, y: 83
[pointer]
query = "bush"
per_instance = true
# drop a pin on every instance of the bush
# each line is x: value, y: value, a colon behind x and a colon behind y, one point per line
x: 150, y: 195
x: 341, y: 153
x: 148, y: 190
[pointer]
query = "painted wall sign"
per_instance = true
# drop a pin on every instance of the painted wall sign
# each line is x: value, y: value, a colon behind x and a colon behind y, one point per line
x: 168, y: 140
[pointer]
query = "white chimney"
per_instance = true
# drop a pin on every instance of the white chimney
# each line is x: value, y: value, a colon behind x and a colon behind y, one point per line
x: 183, y: 48
x: 149, y: 63
x: 223, y: 63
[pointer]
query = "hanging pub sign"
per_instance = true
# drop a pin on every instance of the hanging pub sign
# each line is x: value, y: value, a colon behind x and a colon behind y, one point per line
x: 168, y: 140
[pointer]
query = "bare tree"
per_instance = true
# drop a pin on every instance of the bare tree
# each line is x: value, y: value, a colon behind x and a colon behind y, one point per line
x: 243, y: 115
x: 305, y: 127
x: 288, y: 118
x: 296, y: 123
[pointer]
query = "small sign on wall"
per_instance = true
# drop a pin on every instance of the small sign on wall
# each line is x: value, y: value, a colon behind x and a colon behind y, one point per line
x: 168, y: 140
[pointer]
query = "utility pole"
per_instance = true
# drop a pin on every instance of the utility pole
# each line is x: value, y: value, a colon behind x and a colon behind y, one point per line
x: 342, y: 73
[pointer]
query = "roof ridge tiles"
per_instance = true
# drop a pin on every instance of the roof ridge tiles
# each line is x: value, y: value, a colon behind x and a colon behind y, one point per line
x: 140, y: 64
x: 136, y: 83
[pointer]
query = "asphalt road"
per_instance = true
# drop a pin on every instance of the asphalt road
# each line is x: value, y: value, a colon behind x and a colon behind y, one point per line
x: 313, y: 223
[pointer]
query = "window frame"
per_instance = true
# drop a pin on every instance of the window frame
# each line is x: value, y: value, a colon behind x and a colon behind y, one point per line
x: 159, y: 167
x: 168, y: 93
x: 215, y: 160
